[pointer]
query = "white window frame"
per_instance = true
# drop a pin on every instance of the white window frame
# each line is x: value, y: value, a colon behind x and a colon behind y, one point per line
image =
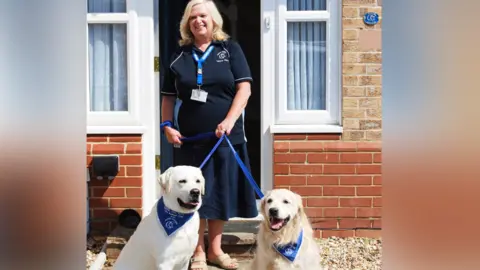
x: 328, y: 120
x: 120, y: 121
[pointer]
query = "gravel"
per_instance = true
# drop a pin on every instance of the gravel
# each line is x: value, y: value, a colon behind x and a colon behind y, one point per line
x: 351, y: 253
x: 337, y: 253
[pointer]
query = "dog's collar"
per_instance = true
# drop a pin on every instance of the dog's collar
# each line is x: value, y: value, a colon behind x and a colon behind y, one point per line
x: 170, y: 220
x: 290, y: 251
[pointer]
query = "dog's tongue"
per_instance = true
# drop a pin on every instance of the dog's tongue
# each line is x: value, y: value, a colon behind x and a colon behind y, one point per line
x: 276, y: 223
x: 193, y: 203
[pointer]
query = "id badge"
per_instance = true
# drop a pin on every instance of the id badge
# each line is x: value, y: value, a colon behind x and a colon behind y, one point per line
x: 199, y: 95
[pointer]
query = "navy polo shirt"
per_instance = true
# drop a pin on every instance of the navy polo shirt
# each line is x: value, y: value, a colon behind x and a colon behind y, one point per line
x: 222, y: 70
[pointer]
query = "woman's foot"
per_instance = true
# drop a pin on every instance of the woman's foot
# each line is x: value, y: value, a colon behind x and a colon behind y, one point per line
x: 223, y: 261
x: 199, y: 261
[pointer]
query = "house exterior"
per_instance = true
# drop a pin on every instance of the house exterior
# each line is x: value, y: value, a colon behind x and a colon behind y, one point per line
x: 320, y: 116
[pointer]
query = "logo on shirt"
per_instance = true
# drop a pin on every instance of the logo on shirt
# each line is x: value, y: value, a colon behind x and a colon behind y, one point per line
x: 222, y: 56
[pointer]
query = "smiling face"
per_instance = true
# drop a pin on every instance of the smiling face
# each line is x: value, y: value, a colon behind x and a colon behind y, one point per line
x: 200, y: 22
x: 280, y: 206
x: 183, y: 188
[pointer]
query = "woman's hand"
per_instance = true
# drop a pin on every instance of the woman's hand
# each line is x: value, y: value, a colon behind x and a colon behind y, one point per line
x: 173, y: 136
x: 224, y: 127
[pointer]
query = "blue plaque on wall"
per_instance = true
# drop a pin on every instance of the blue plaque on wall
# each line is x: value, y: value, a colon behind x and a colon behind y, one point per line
x: 370, y: 18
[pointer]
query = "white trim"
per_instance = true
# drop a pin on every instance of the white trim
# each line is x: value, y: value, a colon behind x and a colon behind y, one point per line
x: 332, y: 17
x: 306, y: 129
x: 132, y: 117
x: 116, y: 129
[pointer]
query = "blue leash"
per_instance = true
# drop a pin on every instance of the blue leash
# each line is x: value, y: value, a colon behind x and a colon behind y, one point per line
x: 224, y: 137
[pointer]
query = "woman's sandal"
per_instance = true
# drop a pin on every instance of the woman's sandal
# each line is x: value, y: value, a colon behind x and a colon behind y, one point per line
x: 225, y: 262
x: 198, y: 262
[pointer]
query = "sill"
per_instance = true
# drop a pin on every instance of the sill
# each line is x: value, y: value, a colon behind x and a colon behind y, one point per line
x: 116, y: 129
x: 276, y: 129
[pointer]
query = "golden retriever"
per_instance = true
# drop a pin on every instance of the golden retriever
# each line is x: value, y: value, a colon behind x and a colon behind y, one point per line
x: 285, y: 222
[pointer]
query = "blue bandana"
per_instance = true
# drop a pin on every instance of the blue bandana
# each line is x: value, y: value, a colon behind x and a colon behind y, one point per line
x: 290, y: 251
x: 170, y: 220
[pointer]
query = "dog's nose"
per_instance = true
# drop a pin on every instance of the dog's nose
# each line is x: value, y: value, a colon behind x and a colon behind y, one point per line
x: 273, y: 212
x: 195, y: 192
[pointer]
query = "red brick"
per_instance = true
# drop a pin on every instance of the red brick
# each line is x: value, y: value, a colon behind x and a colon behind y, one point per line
x: 106, y: 213
x: 377, y: 157
x: 281, y: 169
x: 369, y: 169
x: 354, y: 223
x: 121, y: 171
x: 134, y: 192
x: 306, y: 146
x: 108, y: 192
x: 369, y: 212
x: 368, y: 233
x: 126, y: 182
x: 108, y: 149
x: 314, y: 212
x: 340, y: 146
x: 290, y: 158
x: 98, y: 202
x: 97, y: 183
x: 377, y: 224
x: 134, y: 148
x: 377, y: 180
x: 306, y: 169
x: 131, y: 160
x: 338, y: 233
x: 338, y: 169
x: 377, y: 202
x: 324, y: 224
x: 369, y: 146
x: 356, y: 158
x: 323, y: 158
x: 89, y: 161
x: 322, y: 202
x: 369, y: 191
x: 355, y: 202
x: 323, y: 137
x: 281, y: 146
x: 123, y: 138
x: 355, y: 180
x: 96, y: 138
x: 338, y: 191
x: 134, y: 171
x: 290, y: 180
x: 339, y: 212
x: 286, y: 137
x: 126, y: 203
x: 89, y: 148
x: 307, y: 191
x: 322, y: 180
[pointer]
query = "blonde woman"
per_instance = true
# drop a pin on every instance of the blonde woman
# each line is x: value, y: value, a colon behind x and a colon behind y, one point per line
x: 211, y: 77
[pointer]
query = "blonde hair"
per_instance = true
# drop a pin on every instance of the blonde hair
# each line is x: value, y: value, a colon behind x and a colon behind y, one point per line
x: 218, y: 34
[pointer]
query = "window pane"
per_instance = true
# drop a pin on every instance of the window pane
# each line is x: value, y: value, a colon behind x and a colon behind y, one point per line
x: 306, y: 65
x: 107, y: 6
x: 299, y: 5
x: 107, y: 54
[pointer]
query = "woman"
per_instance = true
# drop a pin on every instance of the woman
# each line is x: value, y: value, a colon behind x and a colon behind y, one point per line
x: 211, y: 77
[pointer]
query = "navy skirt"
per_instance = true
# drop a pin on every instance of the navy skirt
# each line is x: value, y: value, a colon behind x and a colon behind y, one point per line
x: 228, y: 193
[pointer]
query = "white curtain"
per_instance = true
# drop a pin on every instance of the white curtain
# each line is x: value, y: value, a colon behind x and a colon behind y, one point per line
x: 108, y: 59
x: 306, y: 59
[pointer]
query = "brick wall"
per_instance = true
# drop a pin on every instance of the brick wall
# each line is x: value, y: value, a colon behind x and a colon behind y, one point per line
x: 108, y: 199
x: 339, y: 175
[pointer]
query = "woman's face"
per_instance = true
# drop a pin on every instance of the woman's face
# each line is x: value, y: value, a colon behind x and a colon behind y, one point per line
x: 201, y: 23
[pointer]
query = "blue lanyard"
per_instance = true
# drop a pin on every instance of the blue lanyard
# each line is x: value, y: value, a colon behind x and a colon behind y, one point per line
x: 200, y: 63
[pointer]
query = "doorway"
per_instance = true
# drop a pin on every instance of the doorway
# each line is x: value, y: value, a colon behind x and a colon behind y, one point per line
x: 242, y: 23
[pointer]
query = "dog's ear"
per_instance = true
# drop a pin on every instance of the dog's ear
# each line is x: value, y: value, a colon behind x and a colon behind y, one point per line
x: 202, y: 190
x: 164, y: 180
x: 262, y: 203
x: 299, y: 202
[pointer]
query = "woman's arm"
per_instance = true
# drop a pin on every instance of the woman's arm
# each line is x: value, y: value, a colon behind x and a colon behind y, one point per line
x: 168, y: 104
x: 239, y: 103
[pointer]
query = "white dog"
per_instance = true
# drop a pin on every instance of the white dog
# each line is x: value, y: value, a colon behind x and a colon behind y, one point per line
x: 166, y: 238
x: 285, y: 237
